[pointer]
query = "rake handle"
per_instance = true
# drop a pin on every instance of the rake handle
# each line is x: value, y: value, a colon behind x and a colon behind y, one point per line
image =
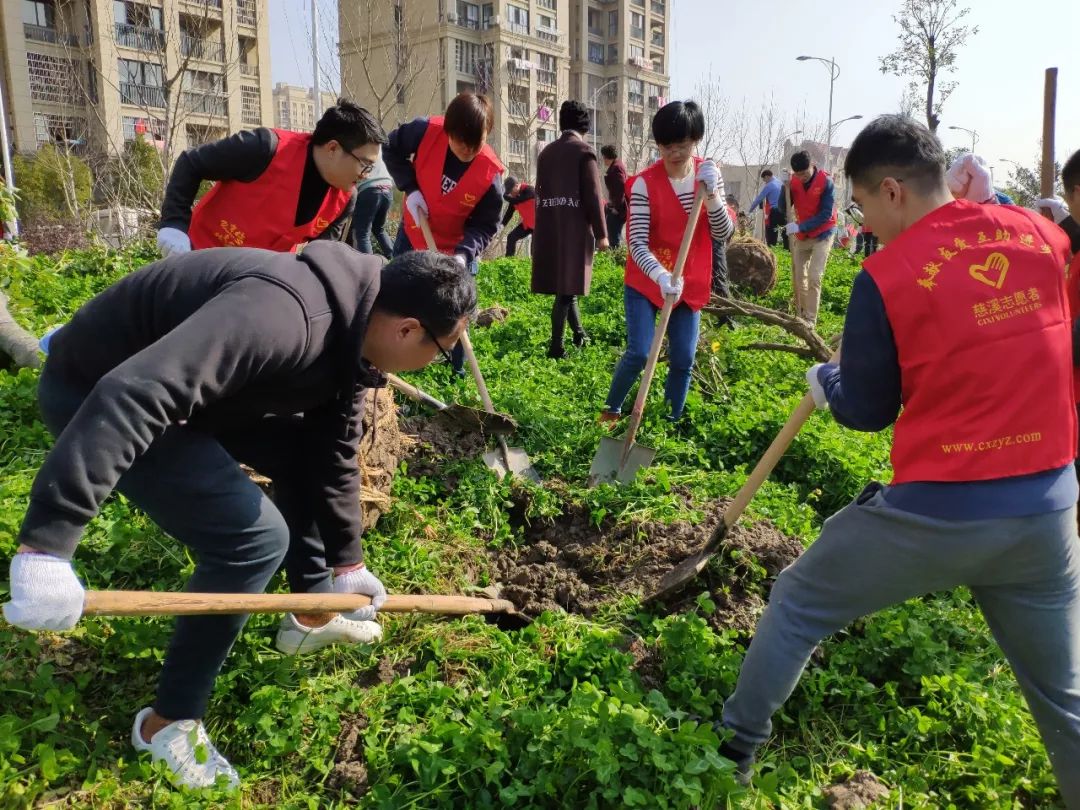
x: 158, y: 603
x: 661, y: 328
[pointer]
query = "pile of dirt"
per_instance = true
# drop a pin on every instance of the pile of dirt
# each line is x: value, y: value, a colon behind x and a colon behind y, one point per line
x: 861, y: 789
x: 434, y: 439
x: 572, y: 565
x: 495, y: 314
x: 751, y: 265
x: 349, y: 773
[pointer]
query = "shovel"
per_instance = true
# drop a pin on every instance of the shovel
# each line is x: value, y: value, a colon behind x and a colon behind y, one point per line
x: 159, y: 603
x: 506, y: 460
x: 459, y: 416
x: 689, y: 568
x: 620, y: 459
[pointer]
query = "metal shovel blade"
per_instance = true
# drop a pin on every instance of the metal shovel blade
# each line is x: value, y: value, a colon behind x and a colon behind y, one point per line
x: 606, y: 466
x: 462, y: 417
x: 519, y: 463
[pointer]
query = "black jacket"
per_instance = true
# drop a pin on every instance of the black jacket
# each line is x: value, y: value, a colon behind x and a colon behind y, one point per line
x: 242, y: 158
x: 216, y: 338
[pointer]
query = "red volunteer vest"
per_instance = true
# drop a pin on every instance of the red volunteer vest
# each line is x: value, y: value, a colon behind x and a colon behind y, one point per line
x: 667, y: 221
x: 975, y: 297
x: 527, y: 210
x: 807, y: 201
x: 447, y: 212
x: 1072, y: 285
x: 260, y: 214
x: 733, y: 215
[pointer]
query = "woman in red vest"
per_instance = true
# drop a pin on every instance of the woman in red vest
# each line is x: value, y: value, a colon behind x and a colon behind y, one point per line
x: 520, y: 197
x: 447, y: 170
x: 660, y: 202
x: 273, y: 188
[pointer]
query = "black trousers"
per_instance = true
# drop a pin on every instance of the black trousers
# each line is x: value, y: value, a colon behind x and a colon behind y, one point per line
x: 773, y: 225
x: 565, y: 308
x: 515, y: 236
x: 615, y: 223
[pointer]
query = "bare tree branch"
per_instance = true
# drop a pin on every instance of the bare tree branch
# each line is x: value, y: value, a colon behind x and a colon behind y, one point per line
x: 730, y: 307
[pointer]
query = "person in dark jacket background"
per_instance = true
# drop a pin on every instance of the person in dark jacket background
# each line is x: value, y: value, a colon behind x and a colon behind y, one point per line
x: 160, y: 386
x: 273, y: 189
x: 520, y: 198
x: 569, y: 223
x: 615, y: 183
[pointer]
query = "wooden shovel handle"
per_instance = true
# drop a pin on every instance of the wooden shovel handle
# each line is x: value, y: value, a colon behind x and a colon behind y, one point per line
x: 159, y: 603
x: 661, y: 327
x: 411, y: 391
x: 1046, y: 175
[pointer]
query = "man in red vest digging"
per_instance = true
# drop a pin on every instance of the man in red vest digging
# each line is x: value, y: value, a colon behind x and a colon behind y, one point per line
x: 520, y: 197
x: 273, y: 188
x: 812, y: 196
x: 959, y: 327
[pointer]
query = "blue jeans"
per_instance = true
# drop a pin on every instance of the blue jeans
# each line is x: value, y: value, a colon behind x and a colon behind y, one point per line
x: 403, y: 245
x: 682, y: 334
x: 369, y: 219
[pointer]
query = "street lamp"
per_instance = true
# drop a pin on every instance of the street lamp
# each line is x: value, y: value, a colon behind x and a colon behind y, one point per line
x: 592, y: 105
x: 834, y: 72
x: 974, y: 136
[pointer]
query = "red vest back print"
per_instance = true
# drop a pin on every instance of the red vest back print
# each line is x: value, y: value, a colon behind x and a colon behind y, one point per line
x: 1072, y: 285
x: 975, y: 296
x: 808, y: 200
x: 667, y: 222
x: 447, y: 212
x: 261, y: 214
x: 527, y: 210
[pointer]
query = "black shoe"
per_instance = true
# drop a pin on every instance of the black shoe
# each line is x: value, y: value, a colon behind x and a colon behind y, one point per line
x: 744, y: 763
x: 556, y: 351
x: 459, y: 373
x: 580, y: 339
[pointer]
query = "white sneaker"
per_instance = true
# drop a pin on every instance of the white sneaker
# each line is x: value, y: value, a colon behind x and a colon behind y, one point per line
x: 186, y: 748
x: 294, y: 638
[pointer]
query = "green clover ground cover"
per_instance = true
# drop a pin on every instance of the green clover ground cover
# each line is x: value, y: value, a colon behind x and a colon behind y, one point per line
x: 610, y: 712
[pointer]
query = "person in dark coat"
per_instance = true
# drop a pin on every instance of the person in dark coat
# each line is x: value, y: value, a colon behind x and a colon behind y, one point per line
x: 615, y: 182
x: 569, y: 223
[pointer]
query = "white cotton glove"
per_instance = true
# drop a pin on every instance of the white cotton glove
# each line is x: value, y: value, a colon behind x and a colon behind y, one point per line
x: 415, y: 202
x: 792, y: 228
x: 709, y: 174
x: 816, y: 389
x: 668, y: 286
x: 45, y: 593
x: 173, y: 240
x: 969, y: 178
x: 460, y: 259
x: 1055, y: 205
x: 361, y: 580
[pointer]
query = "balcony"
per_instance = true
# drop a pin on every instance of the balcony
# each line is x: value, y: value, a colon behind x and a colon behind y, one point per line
x: 249, y: 71
x: 654, y: 102
x: 517, y: 147
x: 519, y: 109
x: 204, y: 49
x: 39, y: 33
x: 635, y: 99
x: 657, y: 7
x: 141, y: 95
x: 637, y: 32
x: 210, y: 3
x: 596, y: 30
x: 657, y: 39
x: 545, y: 78
x: 518, y: 28
x: 596, y: 58
x: 548, y: 4
x: 640, y: 62
x: 245, y: 12
x: 140, y: 37
x: 549, y: 34
x: 202, y: 103
x: 463, y: 22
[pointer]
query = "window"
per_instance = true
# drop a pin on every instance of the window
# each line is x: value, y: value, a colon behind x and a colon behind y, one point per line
x: 596, y: 22
x: 137, y: 14
x: 545, y: 21
x: 636, y: 51
x: 613, y: 23
x: 140, y: 83
x: 612, y: 54
x: 518, y: 17
x: 596, y: 53
x: 658, y: 64
x: 468, y: 15
x: 547, y: 62
x: 487, y: 11
x: 250, y: 106
x: 149, y: 128
x: 51, y: 78
x: 517, y: 52
x: 39, y: 12
x: 466, y: 55
x: 637, y: 25
x: 62, y: 129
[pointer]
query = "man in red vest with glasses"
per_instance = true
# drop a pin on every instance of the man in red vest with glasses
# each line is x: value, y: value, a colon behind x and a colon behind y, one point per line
x: 958, y: 331
x: 448, y: 171
x: 273, y: 189
x: 813, y: 197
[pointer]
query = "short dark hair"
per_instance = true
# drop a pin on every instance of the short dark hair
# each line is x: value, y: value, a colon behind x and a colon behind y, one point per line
x: 800, y: 161
x: 1070, y: 172
x: 431, y: 287
x: 510, y: 183
x: 469, y: 119
x: 766, y: 173
x: 574, y: 115
x: 900, y: 146
x: 678, y: 121
x: 350, y: 125
x: 609, y: 152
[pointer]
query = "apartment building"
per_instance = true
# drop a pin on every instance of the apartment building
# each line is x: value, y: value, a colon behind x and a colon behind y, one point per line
x: 90, y: 74
x: 619, y: 67
x: 408, y: 58
x: 293, y: 109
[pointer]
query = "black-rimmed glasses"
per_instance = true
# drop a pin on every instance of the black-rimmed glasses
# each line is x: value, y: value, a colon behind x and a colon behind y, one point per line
x: 435, y: 340
x: 365, y: 165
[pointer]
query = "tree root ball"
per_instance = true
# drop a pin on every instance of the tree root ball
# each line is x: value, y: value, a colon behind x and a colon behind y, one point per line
x: 751, y: 265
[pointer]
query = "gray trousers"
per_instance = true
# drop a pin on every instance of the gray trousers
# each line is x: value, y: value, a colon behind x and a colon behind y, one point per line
x: 1023, y: 572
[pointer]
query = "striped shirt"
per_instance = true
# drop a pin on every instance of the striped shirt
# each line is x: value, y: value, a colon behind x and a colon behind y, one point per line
x: 720, y: 225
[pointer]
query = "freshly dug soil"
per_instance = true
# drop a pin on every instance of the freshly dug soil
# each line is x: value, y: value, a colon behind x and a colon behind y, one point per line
x: 349, y: 773
x: 495, y: 314
x: 861, y: 789
x: 574, y: 566
x: 751, y: 265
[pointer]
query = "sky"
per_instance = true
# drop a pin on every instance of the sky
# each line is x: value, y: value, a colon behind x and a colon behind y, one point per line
x: 752, y: 47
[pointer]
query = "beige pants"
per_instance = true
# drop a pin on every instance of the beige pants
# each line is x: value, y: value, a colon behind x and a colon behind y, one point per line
x: 808, y: 257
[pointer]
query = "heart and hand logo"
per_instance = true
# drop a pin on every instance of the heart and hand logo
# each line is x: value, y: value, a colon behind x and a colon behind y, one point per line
x: 992, y: 272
